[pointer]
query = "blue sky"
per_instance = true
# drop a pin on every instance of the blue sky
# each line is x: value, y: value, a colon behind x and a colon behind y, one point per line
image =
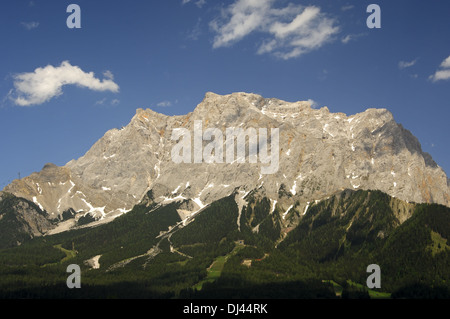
x: 165, y: 55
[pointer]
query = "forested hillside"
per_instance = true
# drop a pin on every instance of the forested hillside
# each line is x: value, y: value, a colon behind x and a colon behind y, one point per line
x: 221, y: 253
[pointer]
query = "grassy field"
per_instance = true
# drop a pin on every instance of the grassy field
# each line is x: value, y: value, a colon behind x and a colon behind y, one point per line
x: 69, y: 255
x: 338, y: 289
x: 215, y: 270
x: 372, y: 293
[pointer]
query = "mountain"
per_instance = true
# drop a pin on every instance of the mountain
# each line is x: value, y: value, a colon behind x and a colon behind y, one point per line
x: 318, y: 154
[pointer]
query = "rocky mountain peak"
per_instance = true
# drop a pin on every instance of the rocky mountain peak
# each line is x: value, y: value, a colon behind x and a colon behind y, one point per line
x: 320, y: 153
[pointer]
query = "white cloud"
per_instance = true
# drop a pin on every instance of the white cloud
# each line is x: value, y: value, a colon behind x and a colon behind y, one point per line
x: 346, y: 39
x: 167, y: 103
x: 323, y: 75
x: 195, y: 33
x: 46, y: 83
x: 443, y: 73
x: 244, y: 17
x: 30, y: 25
x: 406, y: 64
x: 282, y: 30
x: 351, y: 37
x: 446, y: 63
x: 108, y: 75
x: 101, y: 102
x: 288, y: 32
x: 347, y: 7
x: 198, y: 3
x: 440, y: 75
x: 313, y: 104
x: 164, y: 104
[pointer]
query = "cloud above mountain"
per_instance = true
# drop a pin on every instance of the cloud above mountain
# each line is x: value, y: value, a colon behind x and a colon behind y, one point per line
x: 45, y: 83
x: 406, y: 64
x: 30, y: 25
x: 288, y: 32
x: 443, y: 73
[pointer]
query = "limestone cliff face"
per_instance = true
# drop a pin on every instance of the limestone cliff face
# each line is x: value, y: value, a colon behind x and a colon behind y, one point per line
x: 20, y: 220
x: 320, y: 153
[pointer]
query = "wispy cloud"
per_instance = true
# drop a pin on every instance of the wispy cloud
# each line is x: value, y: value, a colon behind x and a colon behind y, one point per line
x: 347, y: 7
x: 108, y: 75
x: 46, y: 83
x: 406, y: 64
x: 443, y: 73
x: 101, y: 102
x: 313, y: 104
x: 445, y: 63
x: 167, y: 103
x: 164, y: 104
x: 352, y: 37
x: 288, y: 32
x: 346, y: 39
x: 322, y: 75
x: 104, y: 100
x: 198, y: 3
x: 30, y: 25
x: 440, y: 75
x: 196, y: 31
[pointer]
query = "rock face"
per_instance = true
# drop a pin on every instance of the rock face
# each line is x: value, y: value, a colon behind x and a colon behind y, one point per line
x: 320, y: 153
x: 20, y: 220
